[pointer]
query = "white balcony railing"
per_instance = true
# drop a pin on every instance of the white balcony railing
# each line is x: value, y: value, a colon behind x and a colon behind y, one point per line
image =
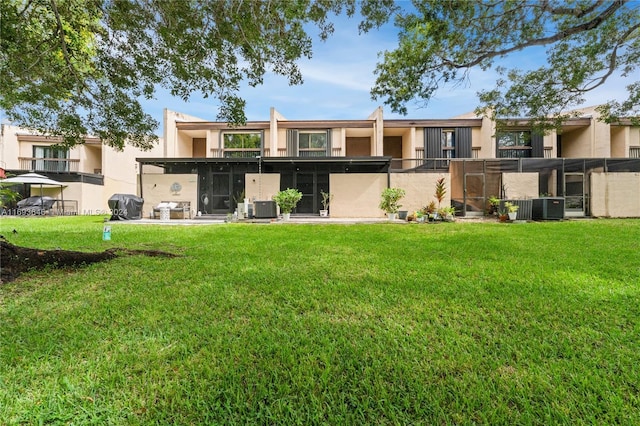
x: 50, y: 165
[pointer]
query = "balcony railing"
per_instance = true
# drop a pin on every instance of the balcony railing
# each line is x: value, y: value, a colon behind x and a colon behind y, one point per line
x: 50, y: 165
x: 235, y: 153
x: 634, y: 152
x: 514, y: 152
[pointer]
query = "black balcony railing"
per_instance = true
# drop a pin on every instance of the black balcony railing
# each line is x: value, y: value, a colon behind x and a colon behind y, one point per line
x: 524, y: 152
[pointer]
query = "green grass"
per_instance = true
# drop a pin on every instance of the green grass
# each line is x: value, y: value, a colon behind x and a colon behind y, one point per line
x: 327, y: 324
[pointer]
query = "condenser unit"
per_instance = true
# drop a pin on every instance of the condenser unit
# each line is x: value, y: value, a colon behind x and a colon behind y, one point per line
x: 265, y: 209
x: 548, y: 208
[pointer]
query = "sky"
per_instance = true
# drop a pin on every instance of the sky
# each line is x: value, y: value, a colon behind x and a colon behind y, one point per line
x: 339, y: 77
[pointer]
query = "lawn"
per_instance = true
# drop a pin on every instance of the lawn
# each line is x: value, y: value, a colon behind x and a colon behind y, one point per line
x: 457, y: 323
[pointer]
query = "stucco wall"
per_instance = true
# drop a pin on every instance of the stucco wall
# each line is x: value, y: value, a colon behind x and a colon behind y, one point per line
x: 356, y: 194
x: 261, y: 187
x: 157, y: 188
x: 615, y: 194
x: 521, y: 185
x: 420, y: 189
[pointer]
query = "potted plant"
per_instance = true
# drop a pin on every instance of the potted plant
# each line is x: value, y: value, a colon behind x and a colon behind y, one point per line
x: 430, y: 210
x: 419, y: 216
x: 447, y: 213
x: 512, y: 210
x: 287, y: 201
x: 494, y: 205
x: 326, y: 200
x: 389, y: 201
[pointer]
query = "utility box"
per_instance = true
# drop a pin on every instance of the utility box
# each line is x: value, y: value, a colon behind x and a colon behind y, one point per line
x: 265, y: 209
x: 548, y: 208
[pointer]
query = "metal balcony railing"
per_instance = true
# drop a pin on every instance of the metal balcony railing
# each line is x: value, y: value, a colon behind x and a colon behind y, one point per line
x: 50, y: 165
x: 634, y: 152
x: 524, y: 152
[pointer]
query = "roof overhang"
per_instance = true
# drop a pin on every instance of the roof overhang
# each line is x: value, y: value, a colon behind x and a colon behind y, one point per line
x: 370, y: 161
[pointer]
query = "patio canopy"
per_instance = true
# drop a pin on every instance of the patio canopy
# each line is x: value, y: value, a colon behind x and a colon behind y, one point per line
x: 35, y: 179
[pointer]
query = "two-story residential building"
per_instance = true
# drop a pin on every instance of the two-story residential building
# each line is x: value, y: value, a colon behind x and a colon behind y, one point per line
x: 593, y: 166
x: 91, y: 172
x: 215, y: 166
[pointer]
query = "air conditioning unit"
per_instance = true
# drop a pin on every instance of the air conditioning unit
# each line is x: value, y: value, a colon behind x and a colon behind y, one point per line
x: 524, y: 208
x: 548, y: 208
x: 265, y: 209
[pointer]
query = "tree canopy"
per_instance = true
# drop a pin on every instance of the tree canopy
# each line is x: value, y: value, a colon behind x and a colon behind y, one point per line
x: 586, y: 41
x: 71, y: 68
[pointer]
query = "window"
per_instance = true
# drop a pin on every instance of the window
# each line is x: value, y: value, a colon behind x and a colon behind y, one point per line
x: 312, y: 144
x: 50, y: 159
x: 448, y: 139
x: 514, y: 144
x: 242, y: 145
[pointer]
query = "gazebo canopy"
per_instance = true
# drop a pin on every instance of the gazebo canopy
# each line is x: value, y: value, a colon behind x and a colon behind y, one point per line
x: 34, y: 179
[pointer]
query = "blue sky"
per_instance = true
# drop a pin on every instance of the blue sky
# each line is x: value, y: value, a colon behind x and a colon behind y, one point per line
x: 338, y: 79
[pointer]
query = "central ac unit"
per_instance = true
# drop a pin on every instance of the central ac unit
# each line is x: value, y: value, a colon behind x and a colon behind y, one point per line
x: 548, y: 208
x: 265, y: 209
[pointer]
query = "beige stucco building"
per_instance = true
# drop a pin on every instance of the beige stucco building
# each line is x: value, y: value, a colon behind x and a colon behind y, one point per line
x: 592, y: 166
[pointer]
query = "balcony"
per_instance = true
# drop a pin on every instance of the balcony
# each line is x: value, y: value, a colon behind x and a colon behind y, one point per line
x: 523, y: 152
x: 236, y: 153
x: 49, y: 165
x: 634, y: 152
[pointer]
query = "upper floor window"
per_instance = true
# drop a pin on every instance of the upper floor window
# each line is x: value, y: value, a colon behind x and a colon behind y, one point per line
x: 514, y: 144
x: 312, y: 144
x: 242, y: 145
x: 448, y: 139
x: 50, y: 159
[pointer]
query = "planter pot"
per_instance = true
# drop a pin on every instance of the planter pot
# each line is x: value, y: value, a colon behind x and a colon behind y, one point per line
x: 392, y: 216
x: 513, y: 215
x: 286, y: 216
x: 421, y: 219
x: 402, y: 214
x: 324, y: 213
x: 503, y: 218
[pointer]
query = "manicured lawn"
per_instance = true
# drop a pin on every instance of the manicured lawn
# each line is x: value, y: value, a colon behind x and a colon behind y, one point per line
x: 326, y: 324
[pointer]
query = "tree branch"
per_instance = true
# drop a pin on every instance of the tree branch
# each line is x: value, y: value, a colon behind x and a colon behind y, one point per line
x: 586, y: 26
x: 612, y: 62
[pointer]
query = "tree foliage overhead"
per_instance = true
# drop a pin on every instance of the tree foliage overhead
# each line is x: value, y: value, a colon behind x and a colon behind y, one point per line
x: 586, y: 41
x: 72, y: 68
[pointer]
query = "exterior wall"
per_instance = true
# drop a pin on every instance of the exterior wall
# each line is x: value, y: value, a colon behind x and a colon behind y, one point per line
x: 577, y: 143
x: 615, y: 194
x: 170, y: 136
x: 619, y: 142
x: 89, y: 200
x: 520, y: 185
x: 156, y: 188
x: 549, y: 142
x: 92, y: 160
x: 8, y: 147
x: 261, y: 187
x: 420, y: 189
x: 377, y: 146
x: 486, y: 139
x: 357, y: 194
x: 120, y: 171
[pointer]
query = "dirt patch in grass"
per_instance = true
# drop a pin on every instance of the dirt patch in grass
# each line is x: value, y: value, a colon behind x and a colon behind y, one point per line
x: 14, y: 260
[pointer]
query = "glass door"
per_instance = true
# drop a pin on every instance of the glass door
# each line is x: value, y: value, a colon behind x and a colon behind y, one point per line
x: 574, y: 194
